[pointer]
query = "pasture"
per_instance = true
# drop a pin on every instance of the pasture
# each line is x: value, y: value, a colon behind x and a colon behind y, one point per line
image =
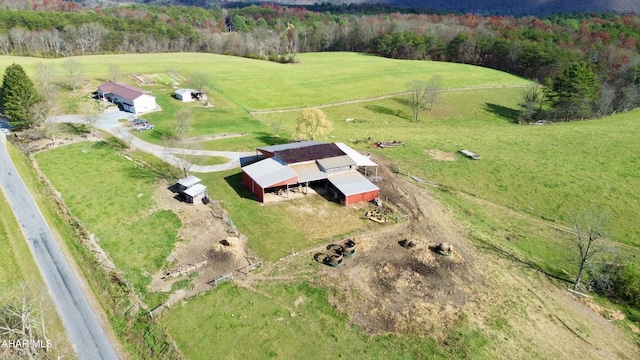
x: 544, y: 173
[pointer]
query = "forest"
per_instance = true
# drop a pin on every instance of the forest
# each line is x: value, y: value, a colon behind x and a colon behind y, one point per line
x: 543, y: 49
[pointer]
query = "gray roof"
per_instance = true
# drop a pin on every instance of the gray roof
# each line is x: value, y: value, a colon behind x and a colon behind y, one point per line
x: 126, y: 91
x: 268, y: 172
x: 189, y: 181
x: 295, y: 145
x: 336, y: 162
x: 360, y: 159
x: 351, y: 183
x: 308, y: 172
x: 182, y: 91
x: 195, y: 190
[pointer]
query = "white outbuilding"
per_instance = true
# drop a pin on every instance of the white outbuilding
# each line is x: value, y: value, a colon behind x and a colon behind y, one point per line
x: 184, y: 95
x: 128, y: 98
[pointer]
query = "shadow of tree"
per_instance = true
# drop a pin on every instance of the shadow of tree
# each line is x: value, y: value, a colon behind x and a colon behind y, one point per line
x: 504, y: 112
x: 386, y: 111
x: 507, y: 255
x: 270, y: 139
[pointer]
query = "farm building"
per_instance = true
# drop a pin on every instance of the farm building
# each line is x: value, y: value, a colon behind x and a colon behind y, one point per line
x: 128, y: 98
x: 331, y: 165
x: 191, y: 189
x: 184, y: 95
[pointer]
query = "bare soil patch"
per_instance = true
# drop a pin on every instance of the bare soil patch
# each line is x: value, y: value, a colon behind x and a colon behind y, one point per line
x: 207, y: 250
x: 387, y: 287
x: 441, y: 155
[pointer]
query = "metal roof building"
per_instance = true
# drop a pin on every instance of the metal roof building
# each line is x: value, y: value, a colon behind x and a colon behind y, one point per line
x: 191, y: 189
x: 308, y: 162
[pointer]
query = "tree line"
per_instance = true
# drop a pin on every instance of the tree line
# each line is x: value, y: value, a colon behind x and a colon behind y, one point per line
x: 541, y: 49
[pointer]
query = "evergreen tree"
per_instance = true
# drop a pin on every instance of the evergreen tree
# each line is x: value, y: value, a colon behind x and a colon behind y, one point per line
x: 575, y: 91
x: 18, y: 97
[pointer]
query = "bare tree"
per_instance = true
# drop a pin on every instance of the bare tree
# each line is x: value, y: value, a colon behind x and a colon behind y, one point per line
x: 183, y: 156
x: 75, y: 71
x: 588, y: 227
x: 90, y: 37
x: 418, y: 97
x: 433, y: 88
x: 45, y: 74
x: 39, y: 112
x: 277, y: 126
x: 114, y: 72
x: 18, y: 37
x: 184, y: 118
x: 128, y: 137
x: 90, y: 111
x: 5, y: 44
x: 200, y: 80
x: 21, y: 319
x: 55, y: 42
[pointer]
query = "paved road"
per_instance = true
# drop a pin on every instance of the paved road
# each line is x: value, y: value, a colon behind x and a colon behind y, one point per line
x: 87, y: 335
x: 109, y: 122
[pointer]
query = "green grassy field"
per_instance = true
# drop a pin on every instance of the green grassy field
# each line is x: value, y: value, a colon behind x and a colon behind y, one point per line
x: 545, y: 172
x: 274, y: 230
x: 17, y: 263
x: 320, y: 78
x: 274, y: 329
x: 113, y: 198
x: 549, y: 172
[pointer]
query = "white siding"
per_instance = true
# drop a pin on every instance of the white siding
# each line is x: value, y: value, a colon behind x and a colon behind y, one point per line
x: 144, y: 103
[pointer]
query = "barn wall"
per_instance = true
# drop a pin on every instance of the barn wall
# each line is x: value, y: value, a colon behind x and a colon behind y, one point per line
x: 356, y: 198
x: 253, y: 187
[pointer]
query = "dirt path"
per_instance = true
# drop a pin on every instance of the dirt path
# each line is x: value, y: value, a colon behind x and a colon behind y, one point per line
x: 274, y: 111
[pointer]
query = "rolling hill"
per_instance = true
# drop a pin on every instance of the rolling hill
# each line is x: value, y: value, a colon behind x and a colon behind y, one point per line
x: 492, y: 7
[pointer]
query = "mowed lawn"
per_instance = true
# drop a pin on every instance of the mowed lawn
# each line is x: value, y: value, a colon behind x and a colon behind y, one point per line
x: 113, y: 197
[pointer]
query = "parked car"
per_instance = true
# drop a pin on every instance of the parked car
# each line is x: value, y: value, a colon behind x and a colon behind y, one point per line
x: 139, y: 121
x: 145, y: 127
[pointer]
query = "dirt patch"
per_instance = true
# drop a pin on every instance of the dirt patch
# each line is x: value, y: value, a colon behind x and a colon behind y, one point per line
x: 388, y: 287
x: 208, y: 248
x: 441, y: 155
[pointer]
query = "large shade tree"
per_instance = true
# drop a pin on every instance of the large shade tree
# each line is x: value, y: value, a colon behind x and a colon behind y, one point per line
x: 19, y: 96
x: 313, y: 123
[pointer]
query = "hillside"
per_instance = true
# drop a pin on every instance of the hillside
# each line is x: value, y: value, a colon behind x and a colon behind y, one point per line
x: 493, y: 7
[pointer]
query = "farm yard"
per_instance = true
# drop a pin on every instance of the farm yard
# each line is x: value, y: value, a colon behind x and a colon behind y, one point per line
x: 501, y: 292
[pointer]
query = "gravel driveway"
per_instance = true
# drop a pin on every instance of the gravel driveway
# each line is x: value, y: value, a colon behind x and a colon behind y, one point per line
x: 109, y: 122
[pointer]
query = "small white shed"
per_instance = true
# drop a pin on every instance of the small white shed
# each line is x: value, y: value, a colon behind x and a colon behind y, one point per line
x: 184, y: 95
x: 191, y: 189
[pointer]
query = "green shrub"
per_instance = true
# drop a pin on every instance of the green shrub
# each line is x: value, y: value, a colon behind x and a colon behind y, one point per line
x: 627, y: 283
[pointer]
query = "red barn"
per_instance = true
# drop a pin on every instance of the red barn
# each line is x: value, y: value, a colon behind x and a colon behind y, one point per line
x: 334, y: 165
